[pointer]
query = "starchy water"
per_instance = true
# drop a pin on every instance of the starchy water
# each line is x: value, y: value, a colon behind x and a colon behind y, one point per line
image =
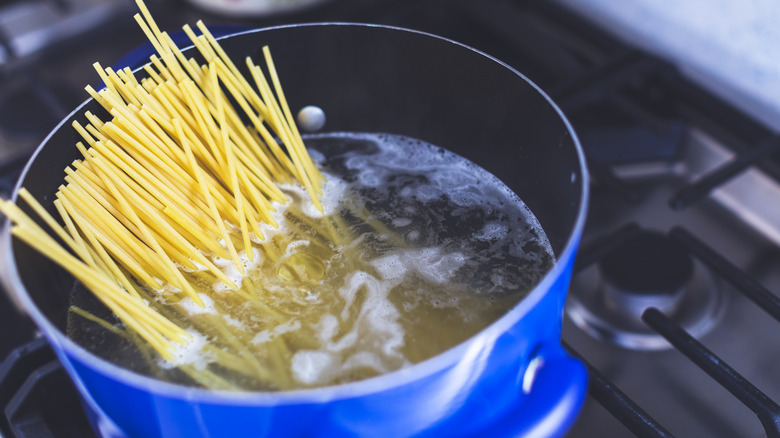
x: 416, y: 251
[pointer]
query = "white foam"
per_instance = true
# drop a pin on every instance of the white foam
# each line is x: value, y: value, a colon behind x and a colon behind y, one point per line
x: 376, y: 334
x: 327, y: 327
x: 229, y: 268
x: 277, y: 213
x: 233, y: 322
x: 333, y: 193
x: 293, y: 246
x: 391, y: 267
x: 192, y: 308
x: 401, y: 222
x: 432, y: 263
x: 269, y: 335
x: 445, y: 173
x: 376, y: 338
x: 372, y: 335
x: 312, y: 366
x: 465, y: 197
x: 441, y: 173
x: 189, y: 353
x: 438, y: 267
x: 365, y: 359
x: 492, y: 231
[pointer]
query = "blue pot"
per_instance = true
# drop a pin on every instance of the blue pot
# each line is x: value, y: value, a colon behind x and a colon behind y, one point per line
x: 511, y: 379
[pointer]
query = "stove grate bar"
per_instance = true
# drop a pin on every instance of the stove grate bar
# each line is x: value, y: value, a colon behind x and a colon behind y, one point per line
x: 699, y: 189
x: 605, y: 176
x: 621, y: 406
x: 741, y: 281
x: 767, y: 411
x: 13, y: 370
x: 729, y: 125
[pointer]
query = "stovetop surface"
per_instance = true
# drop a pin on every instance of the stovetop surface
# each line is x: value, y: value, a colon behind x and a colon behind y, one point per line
x: 670, y: 163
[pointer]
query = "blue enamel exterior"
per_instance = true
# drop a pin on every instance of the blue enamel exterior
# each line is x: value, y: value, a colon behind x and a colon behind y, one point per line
x: 480, y: 394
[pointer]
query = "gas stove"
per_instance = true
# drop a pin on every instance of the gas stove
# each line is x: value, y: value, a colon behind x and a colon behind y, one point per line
x: 673, y: 304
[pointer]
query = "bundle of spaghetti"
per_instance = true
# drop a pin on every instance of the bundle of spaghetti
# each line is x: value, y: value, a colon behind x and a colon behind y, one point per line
x: 155, y: 329
x: 173, y: 181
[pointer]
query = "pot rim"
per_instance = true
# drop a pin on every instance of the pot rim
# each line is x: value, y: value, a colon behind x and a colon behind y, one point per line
x: 64, y: 345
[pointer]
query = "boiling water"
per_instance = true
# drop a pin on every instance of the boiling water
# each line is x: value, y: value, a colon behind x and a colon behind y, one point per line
x: 417, y: 250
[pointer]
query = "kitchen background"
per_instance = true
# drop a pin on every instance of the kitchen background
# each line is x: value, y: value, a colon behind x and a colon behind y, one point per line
x: 676, y: 104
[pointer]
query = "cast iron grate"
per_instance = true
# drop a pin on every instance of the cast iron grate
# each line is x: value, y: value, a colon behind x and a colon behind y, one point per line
x: 626, y: 410
x: 651, y: 93
x: 37, y: 397
x: 602, y: 390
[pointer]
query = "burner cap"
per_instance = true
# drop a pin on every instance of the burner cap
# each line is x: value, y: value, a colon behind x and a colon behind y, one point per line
x: 648, y: 264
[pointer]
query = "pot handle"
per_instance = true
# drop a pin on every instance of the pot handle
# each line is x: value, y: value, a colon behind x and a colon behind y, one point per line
x: 555, y: 385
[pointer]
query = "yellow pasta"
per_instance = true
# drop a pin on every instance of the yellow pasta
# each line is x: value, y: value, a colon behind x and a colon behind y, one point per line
x: 162, y: 183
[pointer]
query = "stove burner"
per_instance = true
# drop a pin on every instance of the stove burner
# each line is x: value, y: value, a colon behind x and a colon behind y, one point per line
x: 648, y: 270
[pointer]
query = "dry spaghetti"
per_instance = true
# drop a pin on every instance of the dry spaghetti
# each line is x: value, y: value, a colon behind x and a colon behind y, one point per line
x: 163, y: 185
